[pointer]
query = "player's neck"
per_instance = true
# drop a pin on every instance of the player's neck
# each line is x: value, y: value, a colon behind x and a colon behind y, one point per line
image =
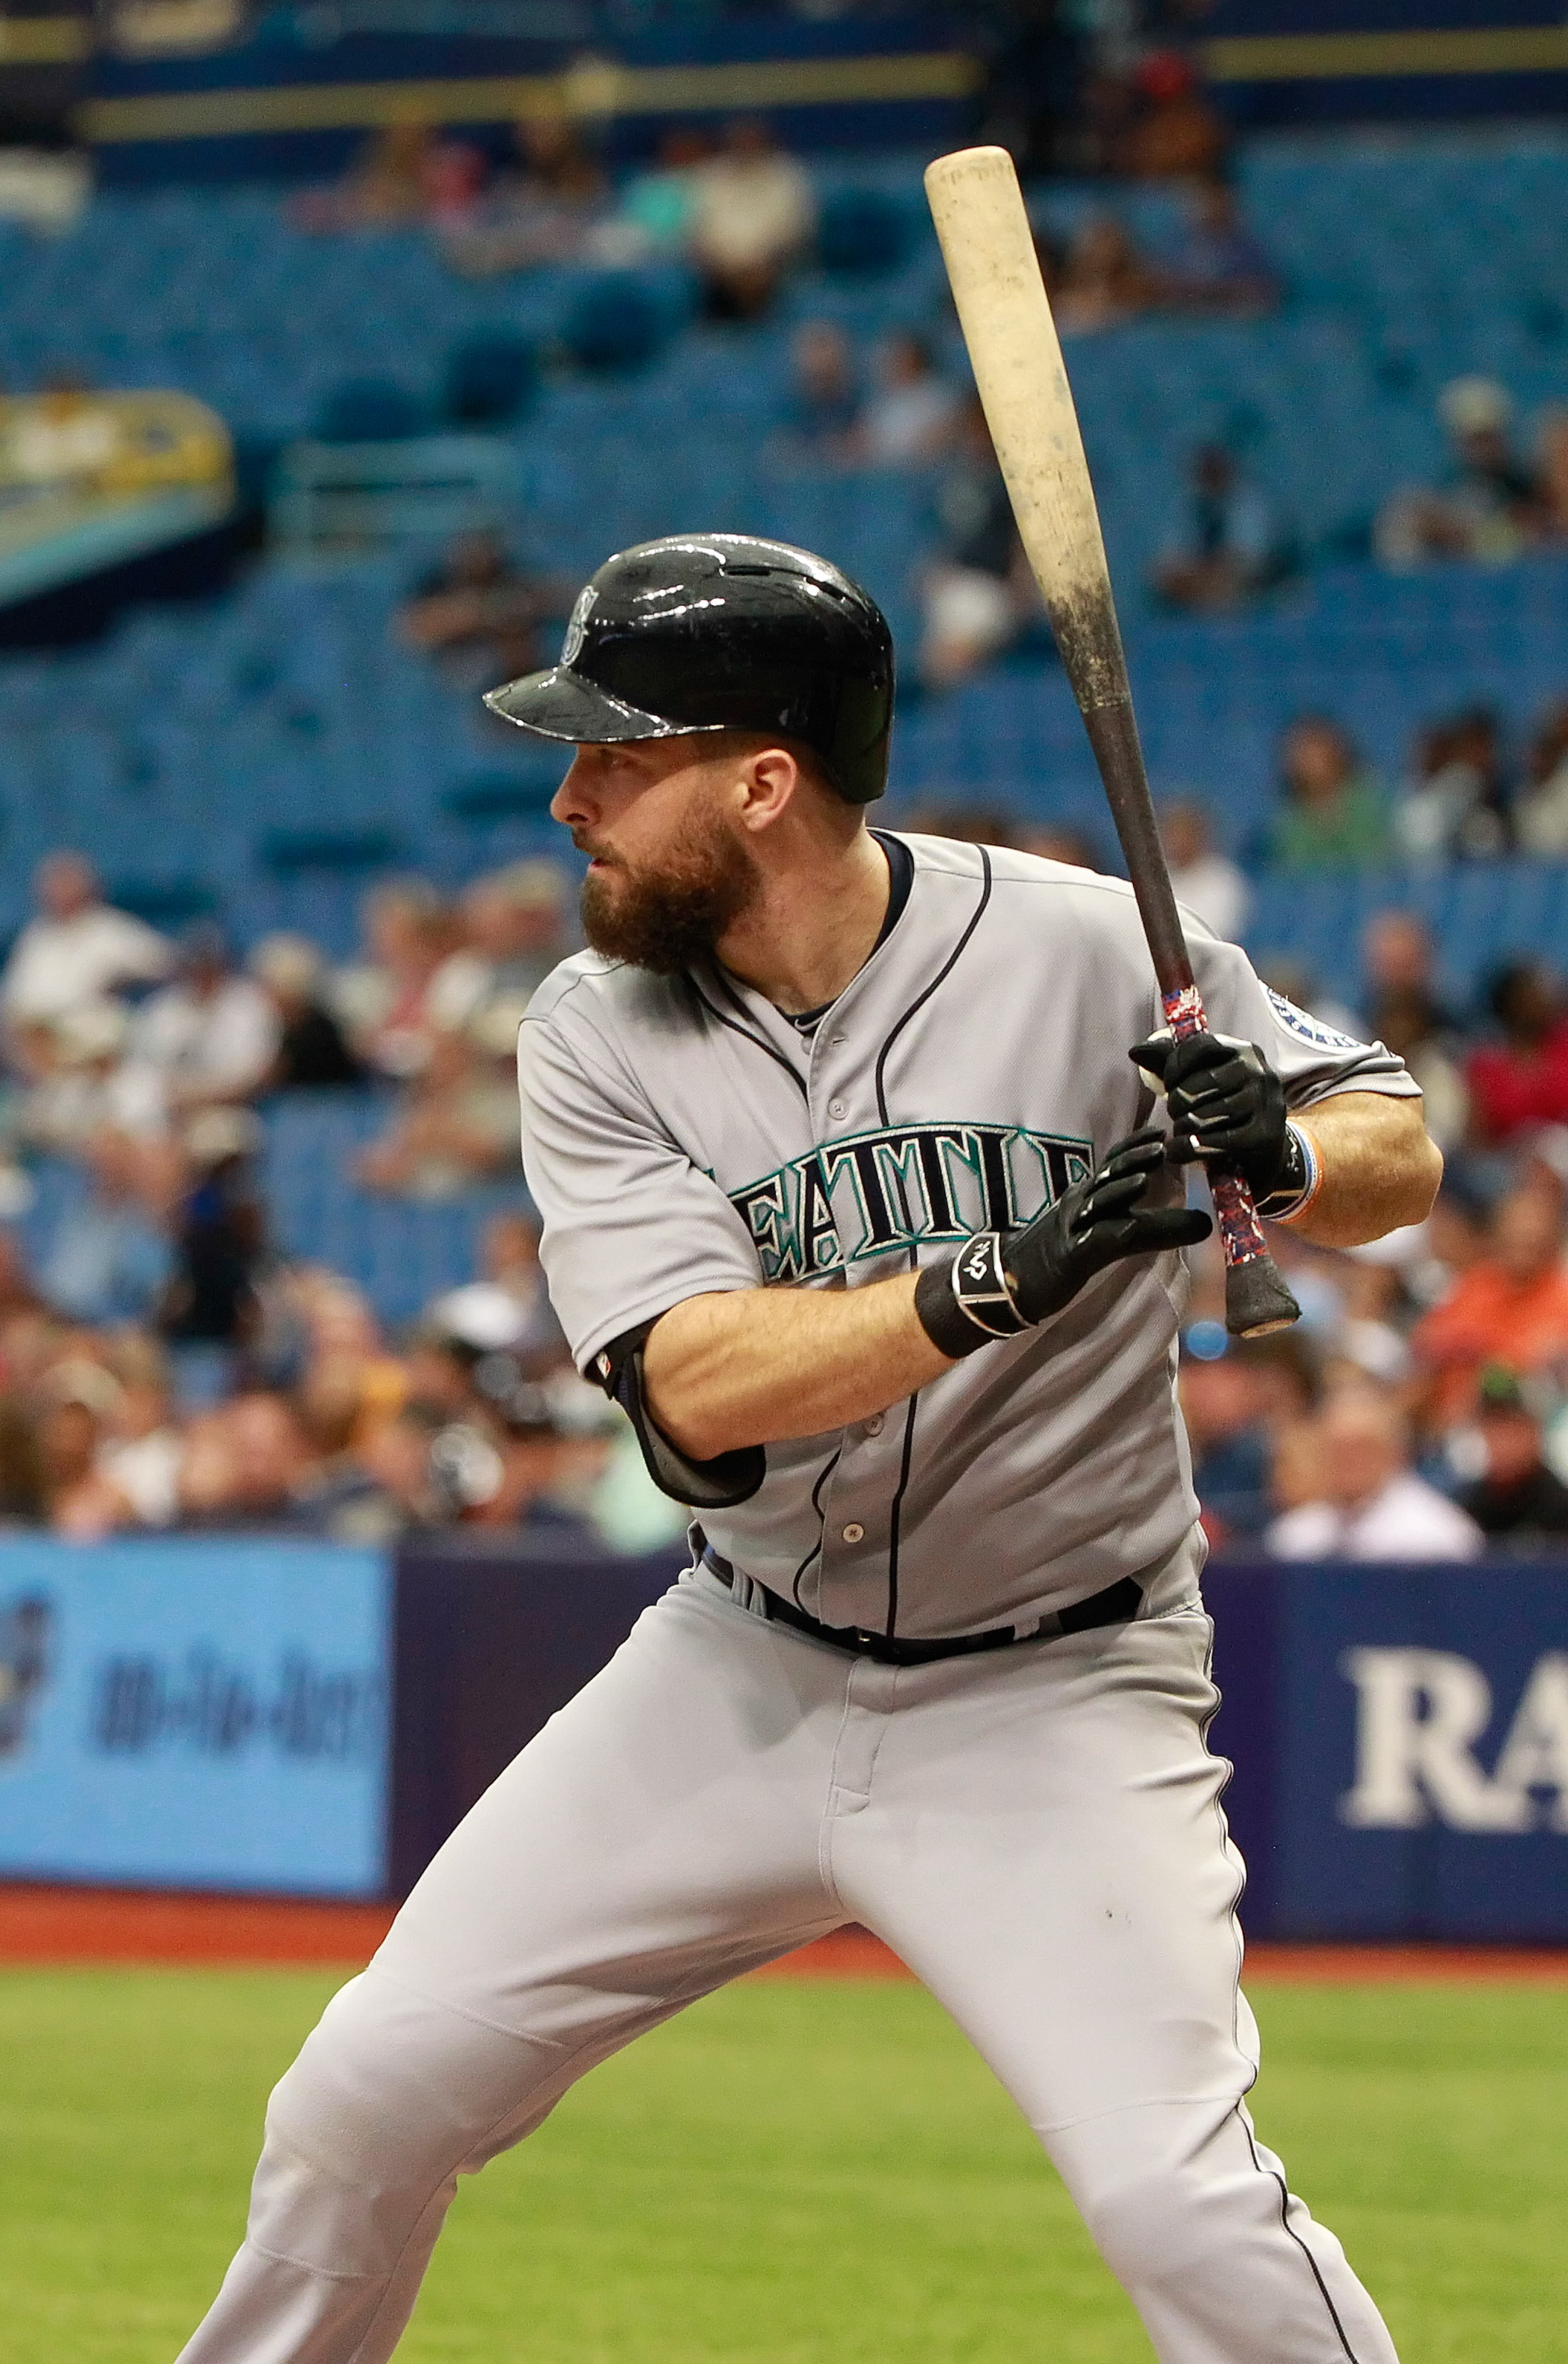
x: 814, y: 925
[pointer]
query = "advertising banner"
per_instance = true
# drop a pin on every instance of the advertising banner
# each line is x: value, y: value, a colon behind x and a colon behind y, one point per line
x: 218, y: 1713
x: 195, y: 1714
x: 1400, y: 1738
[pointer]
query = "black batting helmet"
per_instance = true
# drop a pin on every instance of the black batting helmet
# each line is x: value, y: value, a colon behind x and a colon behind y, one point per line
x: 721, y: 631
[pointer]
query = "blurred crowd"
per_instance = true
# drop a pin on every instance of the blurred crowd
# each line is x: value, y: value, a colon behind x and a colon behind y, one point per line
x: 163, y: 1361
x: 733, y: 205
x: 1472, y: 790
x: 1497, y: 499
x: 317, y: 1422
x: 161, y: 1049
x: 1495, y: 502
x: 1225, y: 544
x: 1419, y: 1410
x: 732, y: 202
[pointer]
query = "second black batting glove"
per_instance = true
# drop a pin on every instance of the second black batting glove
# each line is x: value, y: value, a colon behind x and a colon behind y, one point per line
x: 1227, y: 1108
x: 1001, y: 1283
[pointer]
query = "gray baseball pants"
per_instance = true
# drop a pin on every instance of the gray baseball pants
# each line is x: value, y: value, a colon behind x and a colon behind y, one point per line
x: 1036, y: 1832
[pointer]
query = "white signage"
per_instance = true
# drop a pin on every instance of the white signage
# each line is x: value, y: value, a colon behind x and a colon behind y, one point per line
x: 1419, y: 1717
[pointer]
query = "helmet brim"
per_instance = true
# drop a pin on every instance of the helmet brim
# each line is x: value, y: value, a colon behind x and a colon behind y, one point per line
x: 560, y: 704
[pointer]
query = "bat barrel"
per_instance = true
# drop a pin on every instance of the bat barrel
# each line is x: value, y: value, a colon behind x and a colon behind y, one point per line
x: 1113, y: 735
x: 988, y: 247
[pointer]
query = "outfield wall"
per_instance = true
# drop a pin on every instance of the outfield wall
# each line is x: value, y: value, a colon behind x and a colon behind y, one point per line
x: 1400, y: 1738
x: 195, y: 1714
x: 249, y: 1715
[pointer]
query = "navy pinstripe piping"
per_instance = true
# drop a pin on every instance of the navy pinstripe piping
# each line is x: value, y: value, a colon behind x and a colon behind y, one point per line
x: 816, y: 1506
x: 897, y: 1511
x: 1240, y: 2114
x: 1290, y: 2231
x: 940, y: 978
x: 797, y: 1078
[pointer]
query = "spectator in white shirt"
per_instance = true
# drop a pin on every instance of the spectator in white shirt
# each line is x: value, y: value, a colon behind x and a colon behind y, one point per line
x: 79, y: 1084
x: 1371, y: 1505
x: 211, y: 1036
x: 77, y: 951
x: 1203, y: 880
x: 752, y: 214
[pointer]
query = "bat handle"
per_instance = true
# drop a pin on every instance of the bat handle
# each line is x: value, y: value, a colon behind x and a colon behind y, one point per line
x: 1256, y: 1297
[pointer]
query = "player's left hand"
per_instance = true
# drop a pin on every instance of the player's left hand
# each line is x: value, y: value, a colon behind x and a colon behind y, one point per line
x: 1002, y: 1282
x: 1225, y: 1104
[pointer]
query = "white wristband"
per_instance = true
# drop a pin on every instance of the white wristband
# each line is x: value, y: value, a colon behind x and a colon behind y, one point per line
x: 1294, y: 1208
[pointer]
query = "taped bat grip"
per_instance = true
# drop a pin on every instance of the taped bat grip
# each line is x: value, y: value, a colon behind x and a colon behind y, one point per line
x: 1257, y: 1300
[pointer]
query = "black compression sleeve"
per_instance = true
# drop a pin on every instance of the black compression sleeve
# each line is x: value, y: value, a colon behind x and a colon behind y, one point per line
x: 716, y: 1485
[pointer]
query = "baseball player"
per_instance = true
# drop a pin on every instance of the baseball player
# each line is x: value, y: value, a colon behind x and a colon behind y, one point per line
x: 853, y: 1197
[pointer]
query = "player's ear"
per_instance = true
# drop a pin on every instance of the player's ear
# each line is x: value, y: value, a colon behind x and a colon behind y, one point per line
x: 770, y: 778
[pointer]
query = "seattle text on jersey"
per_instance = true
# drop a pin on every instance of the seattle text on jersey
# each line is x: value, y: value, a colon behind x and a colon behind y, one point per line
x: 900, y: 1186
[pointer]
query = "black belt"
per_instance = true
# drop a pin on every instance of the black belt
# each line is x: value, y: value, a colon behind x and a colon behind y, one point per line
x: 1116, y: 1605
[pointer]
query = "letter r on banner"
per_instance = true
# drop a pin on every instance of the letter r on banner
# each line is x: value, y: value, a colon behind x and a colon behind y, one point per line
x: 1419, y: 1713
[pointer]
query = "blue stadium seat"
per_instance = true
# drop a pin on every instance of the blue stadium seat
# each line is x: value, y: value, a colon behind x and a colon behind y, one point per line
x: 402, y: 1254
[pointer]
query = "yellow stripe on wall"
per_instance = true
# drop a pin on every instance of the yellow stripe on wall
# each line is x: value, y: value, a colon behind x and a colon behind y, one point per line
x: 44, y: 40
x: 1268, y: 56
x: 607, y: 89
x: 1332, y: 57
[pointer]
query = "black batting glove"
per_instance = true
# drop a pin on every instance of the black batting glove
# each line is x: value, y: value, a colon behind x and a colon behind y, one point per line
x: 1002, y: 1282
x: 1225, y: 1104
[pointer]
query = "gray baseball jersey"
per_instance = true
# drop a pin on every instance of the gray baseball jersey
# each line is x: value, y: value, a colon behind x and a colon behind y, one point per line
x: 681, y: 1136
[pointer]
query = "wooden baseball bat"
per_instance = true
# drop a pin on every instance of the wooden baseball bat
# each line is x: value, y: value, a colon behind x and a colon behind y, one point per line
x: 989, y: 251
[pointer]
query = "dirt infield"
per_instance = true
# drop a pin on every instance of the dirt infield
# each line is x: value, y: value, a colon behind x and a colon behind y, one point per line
x: 64, y: 1925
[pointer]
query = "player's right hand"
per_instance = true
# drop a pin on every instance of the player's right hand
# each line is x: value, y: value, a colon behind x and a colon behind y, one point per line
x: 1225, y: 1104
x: 1001, y: 1283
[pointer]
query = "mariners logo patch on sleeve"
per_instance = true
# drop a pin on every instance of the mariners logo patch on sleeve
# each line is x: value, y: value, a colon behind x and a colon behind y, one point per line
x: 1311, y: 1030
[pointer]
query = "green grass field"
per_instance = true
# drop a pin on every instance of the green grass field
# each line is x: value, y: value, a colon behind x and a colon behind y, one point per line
x: 798, y: 2172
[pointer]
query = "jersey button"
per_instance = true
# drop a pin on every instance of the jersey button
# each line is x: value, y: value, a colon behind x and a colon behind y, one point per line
x: 838, y: 1108
x: 874, y: 1425
x: 854, y: 1533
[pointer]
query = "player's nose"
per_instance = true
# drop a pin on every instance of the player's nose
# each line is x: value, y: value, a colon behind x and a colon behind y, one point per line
x: 572, y: 803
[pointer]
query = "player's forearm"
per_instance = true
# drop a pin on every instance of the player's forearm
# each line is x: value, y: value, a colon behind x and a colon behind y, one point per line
x: 1381, y: 1168
x: 760, y: 1365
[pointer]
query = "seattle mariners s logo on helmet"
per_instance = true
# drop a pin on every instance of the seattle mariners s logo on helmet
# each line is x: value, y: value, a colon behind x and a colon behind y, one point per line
x: 579, y: 618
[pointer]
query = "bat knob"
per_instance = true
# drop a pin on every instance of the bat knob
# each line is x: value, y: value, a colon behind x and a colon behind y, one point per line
x: 1256, y: 1298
